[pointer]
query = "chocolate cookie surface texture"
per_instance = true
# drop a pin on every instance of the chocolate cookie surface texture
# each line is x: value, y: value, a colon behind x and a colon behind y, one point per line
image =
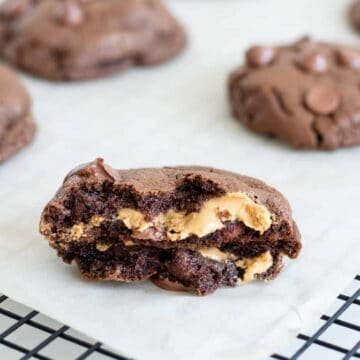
x: 81, y: 39
x: 186, y: 228
x: 306, y: 93
x: 17, y: 128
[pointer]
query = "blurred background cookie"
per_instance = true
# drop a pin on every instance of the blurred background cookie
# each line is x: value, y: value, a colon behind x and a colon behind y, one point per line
x: 354, y: 14
x: 76, y: 39
x: 17, y: 127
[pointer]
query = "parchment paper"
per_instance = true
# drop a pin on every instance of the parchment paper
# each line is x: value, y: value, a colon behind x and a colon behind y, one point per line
x: 178, y: 114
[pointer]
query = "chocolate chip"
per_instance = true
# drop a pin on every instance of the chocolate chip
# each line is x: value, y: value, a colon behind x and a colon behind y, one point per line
x: 323, y: 99
x: 348, y: 57
x: 169, y: 285
x: 259, y: 56
x: 13, y: 8
x: 312, y: 61
x: 69, y: 12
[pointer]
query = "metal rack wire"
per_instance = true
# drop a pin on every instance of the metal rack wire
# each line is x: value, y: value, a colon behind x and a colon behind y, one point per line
x: 327, y: 349
x: 86, y: 347
x: 14, y: 318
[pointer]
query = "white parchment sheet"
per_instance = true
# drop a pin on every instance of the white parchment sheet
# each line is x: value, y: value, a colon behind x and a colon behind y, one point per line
x: 178, y: 114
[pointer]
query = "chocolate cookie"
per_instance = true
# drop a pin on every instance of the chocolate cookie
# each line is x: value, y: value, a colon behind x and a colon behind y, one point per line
x: 17, y: 128
x: 354, y: 14
x: 186, y: 228
x: 306, y: 93
x: 81, y: 39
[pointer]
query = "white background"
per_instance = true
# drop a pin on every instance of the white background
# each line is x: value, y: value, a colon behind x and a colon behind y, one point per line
x: 178, y: 114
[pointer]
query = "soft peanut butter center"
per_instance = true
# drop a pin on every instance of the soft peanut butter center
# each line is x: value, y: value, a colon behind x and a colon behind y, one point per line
x: 103, y: 246
x: 96, y: 220
x: 214, y: 253
x: 254, y: 266
x: 211, y: 217
x: 133, y: 219
x: 77, y: 231
x: 251, y: 266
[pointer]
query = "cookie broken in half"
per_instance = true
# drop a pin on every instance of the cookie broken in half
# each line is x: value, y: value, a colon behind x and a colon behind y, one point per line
x: 186, y: 228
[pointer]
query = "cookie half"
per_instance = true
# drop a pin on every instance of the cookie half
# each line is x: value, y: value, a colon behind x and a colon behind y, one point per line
x: 17, y: 128
x: 186, y: 228
x: 81, y: 39
x: 306, y: 93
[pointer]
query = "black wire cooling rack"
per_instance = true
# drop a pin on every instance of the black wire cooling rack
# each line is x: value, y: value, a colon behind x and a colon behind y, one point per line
x: 328, y: 340
x: 27, y: 334
x: 51, y: 340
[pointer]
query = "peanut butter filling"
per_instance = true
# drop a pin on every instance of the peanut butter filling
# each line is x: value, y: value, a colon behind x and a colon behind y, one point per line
x: 78, y: 231
x: 214, y: 212
x: 103, y: 246
x: 96, y: 220
x: 254, y: 266
x: 251, y: 266
x: 214, y: 253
